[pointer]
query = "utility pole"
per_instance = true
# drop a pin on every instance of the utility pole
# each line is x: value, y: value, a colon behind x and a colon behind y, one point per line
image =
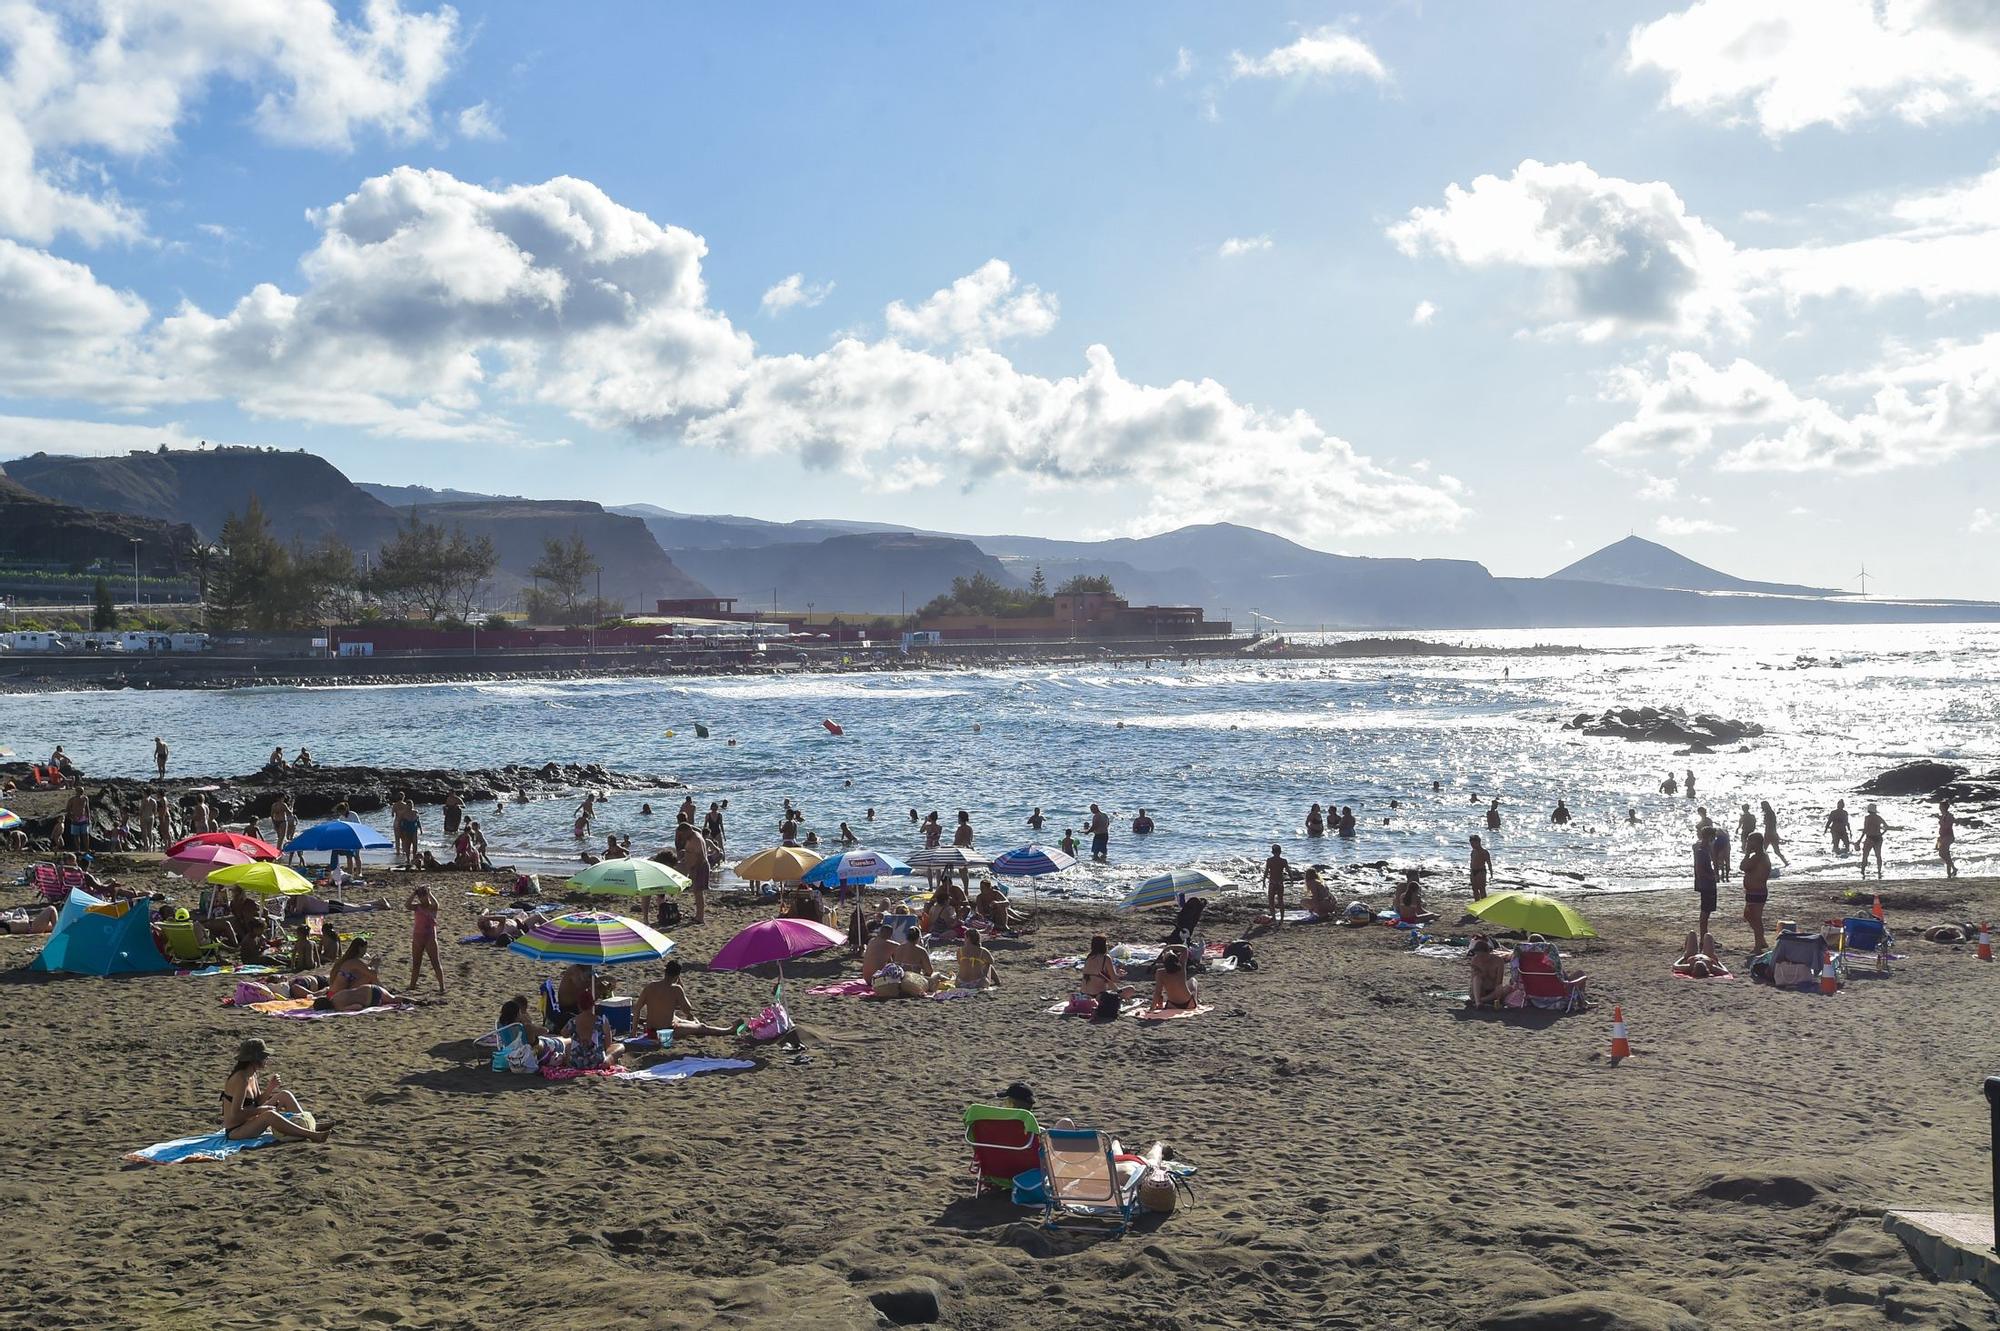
x: 135, y: 575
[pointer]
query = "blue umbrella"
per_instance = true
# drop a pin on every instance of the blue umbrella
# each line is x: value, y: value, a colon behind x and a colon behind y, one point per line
x: 854, y: 866
x: 339, y: 835
x: 1031, y: 862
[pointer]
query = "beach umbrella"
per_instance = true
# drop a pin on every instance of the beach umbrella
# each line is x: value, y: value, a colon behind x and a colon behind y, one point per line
x: 1162, y: 889
x: 255, y: 847
x: 195, y: 863
x: 9, y: 821
x: 339, y: 834
x: 1532, y: 913
x: 853, y: 866
x: 779, y: 864
x: 1031, y: 861
x: 773, y: 942
x: 630, y: 878
x: 264, y: 879
x: 947, y: 858
x: 592, y: 938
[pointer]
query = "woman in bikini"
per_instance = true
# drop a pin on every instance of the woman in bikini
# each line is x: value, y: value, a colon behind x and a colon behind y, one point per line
x: 252, y: 1105
x: 408, y: 827
x: 1102, y: 975
x: 975, y: 965
x: 424, y: 935
x: 589, y: 1032
x: 353, y: 983
x: 1173, y: 987
x: 1756, y: 869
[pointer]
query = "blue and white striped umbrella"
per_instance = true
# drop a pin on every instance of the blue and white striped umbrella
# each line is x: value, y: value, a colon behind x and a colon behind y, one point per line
x: 1162, y: 889
x: 1031, y: 862
x: 854, y: 866
x: 947, y: 858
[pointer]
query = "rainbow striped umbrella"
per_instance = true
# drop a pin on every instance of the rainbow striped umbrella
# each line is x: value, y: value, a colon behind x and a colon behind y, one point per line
x: 9, y: 820
x: 592, y: 938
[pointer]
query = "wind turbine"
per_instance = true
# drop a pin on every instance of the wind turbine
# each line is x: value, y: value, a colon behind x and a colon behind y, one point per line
x: 1864, y: 578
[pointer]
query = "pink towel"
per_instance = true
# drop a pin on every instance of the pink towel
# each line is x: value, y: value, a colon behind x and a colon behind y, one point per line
x: 856, y: 988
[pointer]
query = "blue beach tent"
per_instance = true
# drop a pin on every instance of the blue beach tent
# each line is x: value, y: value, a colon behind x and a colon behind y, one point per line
x: 94, y: 937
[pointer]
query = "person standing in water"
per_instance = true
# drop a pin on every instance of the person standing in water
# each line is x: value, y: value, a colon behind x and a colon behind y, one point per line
x: 1100, y: 834
x: 1771, y: 834
x: 1561, y: 815
x: 1872, y: 830
x: 1947, y: 832
x: 1838, y: 830
x: 1493, y: 815
x: 1687, y: 783
x: 1482, y: 865
x: 160, y: 756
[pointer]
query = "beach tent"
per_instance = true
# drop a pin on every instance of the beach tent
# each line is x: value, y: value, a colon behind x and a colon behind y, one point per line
x: 94, y: 937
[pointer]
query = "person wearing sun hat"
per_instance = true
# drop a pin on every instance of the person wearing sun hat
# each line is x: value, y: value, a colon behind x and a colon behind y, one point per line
x: 253, y: 1105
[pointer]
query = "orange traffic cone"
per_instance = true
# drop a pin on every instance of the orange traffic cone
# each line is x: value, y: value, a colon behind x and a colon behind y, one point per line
x: 1877, y: 911
x: 1985, y: 943
x: 1829, y: 974
x: 1620, y: 1046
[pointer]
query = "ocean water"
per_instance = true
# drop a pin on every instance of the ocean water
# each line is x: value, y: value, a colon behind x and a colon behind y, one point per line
x: 1227, y: 756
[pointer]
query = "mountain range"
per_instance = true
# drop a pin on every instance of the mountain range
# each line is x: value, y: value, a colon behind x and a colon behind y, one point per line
x: 854, y: 568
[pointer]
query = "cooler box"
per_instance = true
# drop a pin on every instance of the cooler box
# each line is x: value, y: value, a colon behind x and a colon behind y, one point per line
x: 618, y: 1012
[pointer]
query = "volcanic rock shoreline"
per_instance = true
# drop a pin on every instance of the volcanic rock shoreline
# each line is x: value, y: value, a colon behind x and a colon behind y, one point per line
x: 1700, y: 732
x: 315, y: 792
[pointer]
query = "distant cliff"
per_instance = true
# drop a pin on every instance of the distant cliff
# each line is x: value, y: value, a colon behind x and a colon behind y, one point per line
x: 38, y: 530
x: 863, y: 572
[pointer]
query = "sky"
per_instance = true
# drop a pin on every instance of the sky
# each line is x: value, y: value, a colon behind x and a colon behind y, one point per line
x: 1493, y: 282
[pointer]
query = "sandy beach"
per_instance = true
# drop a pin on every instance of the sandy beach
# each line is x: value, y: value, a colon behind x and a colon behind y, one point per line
x: 1370, y: 1154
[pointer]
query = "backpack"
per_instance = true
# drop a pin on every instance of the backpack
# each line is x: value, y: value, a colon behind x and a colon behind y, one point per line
x: 670, y: 914
x: 1240, y: 949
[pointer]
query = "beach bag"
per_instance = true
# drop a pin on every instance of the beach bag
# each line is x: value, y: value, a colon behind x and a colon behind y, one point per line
x: 670, y: 914
x: 1108, y: 1004
x: 770, y: 1024
x: 1159, y: 1192
x: 1081, y: 1005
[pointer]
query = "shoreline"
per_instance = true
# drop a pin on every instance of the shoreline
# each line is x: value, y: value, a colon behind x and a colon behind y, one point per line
x: 73, y: 674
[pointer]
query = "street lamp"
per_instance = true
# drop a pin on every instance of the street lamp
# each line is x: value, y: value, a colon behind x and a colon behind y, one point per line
x: 135, y: 574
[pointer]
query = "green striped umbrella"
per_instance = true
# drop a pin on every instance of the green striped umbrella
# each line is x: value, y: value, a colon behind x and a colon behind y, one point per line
x: 630, y: 878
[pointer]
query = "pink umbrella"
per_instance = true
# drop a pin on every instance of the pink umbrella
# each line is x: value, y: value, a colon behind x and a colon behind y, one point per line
x: 195, y: 863
x: 774, y: 942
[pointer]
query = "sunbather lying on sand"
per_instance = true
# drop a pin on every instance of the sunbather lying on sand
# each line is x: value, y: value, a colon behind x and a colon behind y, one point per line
x: 1699, y: 958
x: 1173, y: 986
x: 504, y: 926
x: 353, y: 983
x: 41, y: 921
x: 1491, y: 982
x: 663, y: 1006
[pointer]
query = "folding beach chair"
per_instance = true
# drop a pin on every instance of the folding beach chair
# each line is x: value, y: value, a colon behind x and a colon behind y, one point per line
x: 49, y: 884
x: 1865, y: 933
x: 1003, y: 1145
x: 184, y: 947
x: 1538, y: 971
x: 1083, y: 1180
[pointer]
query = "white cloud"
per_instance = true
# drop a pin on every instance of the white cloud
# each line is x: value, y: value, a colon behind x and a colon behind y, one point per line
x: 1613, y: 256
x: 1791, y: 64
x: 793, y: 292
x: 479, y: 121
x: 1322, y: 53
x: 1423, y: 314
x: 1982, y: 521
x: 22, y: 435
x: 1922, y: 408
x: 1658, y: 489
x: 1237, y: 246
x: 985, y: 306
x: 104, y: 80
x: 430, y: 308
x: 1183, y: 64
x: 1672, y: 526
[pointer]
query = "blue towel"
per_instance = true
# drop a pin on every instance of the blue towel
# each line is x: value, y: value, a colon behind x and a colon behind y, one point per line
x: 207, y: 1146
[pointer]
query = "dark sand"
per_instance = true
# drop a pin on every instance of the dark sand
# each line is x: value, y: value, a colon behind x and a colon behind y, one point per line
x: 1370, y: 1155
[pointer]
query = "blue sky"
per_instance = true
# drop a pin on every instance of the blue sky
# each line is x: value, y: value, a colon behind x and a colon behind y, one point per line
x: 1491, y: 282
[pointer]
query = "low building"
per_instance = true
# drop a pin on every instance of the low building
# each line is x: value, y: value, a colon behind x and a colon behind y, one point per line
x: 1086, y: 615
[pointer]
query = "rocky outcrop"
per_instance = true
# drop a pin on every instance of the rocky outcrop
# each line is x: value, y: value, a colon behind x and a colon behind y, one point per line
x: 1665, y: 725
x: 1913, y: 778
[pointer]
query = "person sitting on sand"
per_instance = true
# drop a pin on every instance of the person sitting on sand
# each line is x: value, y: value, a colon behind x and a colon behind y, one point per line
x: 1491, y: 980
x: 663, y: 1006
x: 804, y: 904
x: 517, y: 1025
x: 992, y: 905
x: 253, y: 1105
x: 1102, y: 975
x: 940, y: 914
x: 1319, y: 900
x: 591, y: 1045
x: 305, y: 952
x: 352, y: 984
x: 880, y: 952
x: 572, y: 987
x: 1173, y: 986
x: 1410, y: 900
x: 1699, y: 958
x: 975, y: 965
x: 918, y: 969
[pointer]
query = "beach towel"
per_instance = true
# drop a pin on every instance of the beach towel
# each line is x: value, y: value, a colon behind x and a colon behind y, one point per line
x: 206, y: 1146
x: 1683, y: 975
x: 307, y: 1013
x: 1174, y: 1013
x: 1062, y: 1009
x: 854, y: 988
x: 230, y: 970
x: 1440, y: 951
x: 565, y: 1074
x: 944, y: 995
x: 272, y: 1006
x: 680, y: 1069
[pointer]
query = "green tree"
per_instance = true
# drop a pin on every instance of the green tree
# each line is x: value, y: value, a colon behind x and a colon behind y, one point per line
x: 1038, y: 586
x: 982, y: 594
x: 561, y: 574
x: 246, y: 571
x: 103, y: 614
x: 425, y: 570
x: 321, y: 585
x: 1083, y: 584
